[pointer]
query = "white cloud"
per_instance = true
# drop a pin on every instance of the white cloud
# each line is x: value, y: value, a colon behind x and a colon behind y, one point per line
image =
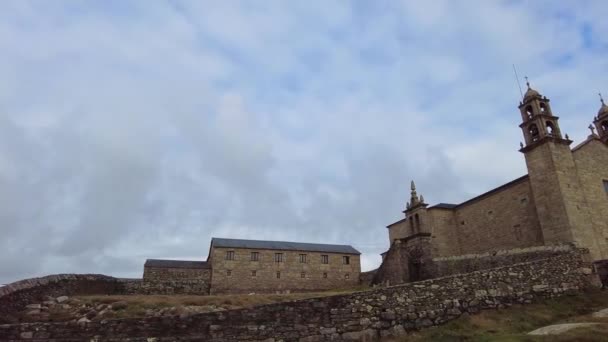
x: 136, y: 130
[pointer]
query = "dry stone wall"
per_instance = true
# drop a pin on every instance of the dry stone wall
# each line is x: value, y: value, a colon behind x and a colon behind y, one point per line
x: 15, y: 296
x: 444, y: 266
x: 168, y: 280
x: 359, y: 316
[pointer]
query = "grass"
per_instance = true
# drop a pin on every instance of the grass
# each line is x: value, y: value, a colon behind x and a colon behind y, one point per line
x: 513, y: 324
x: 137, y: 305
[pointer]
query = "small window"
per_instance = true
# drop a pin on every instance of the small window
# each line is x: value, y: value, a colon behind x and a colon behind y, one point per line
x: 325, y: 275
x: 347, y: 276
x: 346, y: 260
x: 278, y: 257
x: 230, y: 255
x: 255, y: 256
x: 254, y: 273
x: 303, y: 275
x: 278, y: 275
x: 228, y: 273
x: 302, y: 258
x: 606, y: 185
x: 325, y: 259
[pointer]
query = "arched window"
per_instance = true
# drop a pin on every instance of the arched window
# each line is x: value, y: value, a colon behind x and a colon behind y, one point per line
x: 543, y: 107
x: 550, y: 129
x: 605, y: 126
x: 534, y: 134
x: 417, y: 223
x: 529, y: 111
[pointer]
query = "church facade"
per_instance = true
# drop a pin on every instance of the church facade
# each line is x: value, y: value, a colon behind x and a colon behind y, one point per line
x: 563, y: 200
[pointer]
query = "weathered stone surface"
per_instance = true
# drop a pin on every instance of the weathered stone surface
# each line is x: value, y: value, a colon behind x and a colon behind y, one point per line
x: 292, y: 274
x: 367, y: 335
x: 62, y: 299
x: 557, y: 329
x: 360, y: 315
x: 27, y: 334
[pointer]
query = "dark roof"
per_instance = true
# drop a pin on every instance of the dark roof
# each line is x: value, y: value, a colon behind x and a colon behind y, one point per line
x: 175, y: 263
x: 444, y: 206
x: 283, y: 245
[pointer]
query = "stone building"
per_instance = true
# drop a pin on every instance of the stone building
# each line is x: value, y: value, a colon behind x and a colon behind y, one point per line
x: 246, y: 266
x: 562, y: 200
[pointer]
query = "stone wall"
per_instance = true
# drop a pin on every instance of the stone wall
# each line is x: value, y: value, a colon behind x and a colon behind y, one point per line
x: 444, y: 266
x: 15, y: 296
x: 244, y: 275
x: 554, y: 183
x: 592, y: 167
x: 357, y: 316
x: 407, y: 260
x: 175, y: 280
x: 442, y: 226
x: 503, y: 219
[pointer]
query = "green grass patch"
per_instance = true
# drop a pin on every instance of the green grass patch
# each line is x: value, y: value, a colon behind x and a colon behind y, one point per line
x: 513, y: 323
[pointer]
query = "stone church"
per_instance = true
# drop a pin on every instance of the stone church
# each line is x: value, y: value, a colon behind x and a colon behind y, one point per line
x: 562, y: 201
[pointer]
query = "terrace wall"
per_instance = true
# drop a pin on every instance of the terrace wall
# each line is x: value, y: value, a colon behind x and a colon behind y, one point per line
x: 364, y: 315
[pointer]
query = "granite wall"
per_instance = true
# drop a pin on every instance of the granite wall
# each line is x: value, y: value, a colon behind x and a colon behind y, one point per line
x: 358, y: 316
x: 297, y: 271
x: 444, y: 266
x: 174, y: 280
x: 15, y: 296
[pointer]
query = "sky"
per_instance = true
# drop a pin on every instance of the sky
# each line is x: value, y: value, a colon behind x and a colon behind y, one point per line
x: 141, y: 129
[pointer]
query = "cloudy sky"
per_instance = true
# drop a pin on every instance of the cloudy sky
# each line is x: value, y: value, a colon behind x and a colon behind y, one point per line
x: 140, y: 129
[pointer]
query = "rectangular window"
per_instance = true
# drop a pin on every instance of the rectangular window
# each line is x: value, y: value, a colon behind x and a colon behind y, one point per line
x: 606, y: 185
x: 302, y: 258
x: 228, y: 273
x: 254, y: 273
x: 303, y: 275
x: 255, y: 256
x: 230, y: 255
x: 324, y: 275
x: 278, y: 275
x: 346, y: 260
x: 325, y: 259
x: 278, y: 257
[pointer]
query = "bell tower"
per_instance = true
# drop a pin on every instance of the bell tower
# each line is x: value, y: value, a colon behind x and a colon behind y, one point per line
x: 538, y: 121
x: 601, y: 121
x: 560, y: 203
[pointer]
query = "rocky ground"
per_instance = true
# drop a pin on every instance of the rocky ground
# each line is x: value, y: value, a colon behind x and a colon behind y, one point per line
x: 82, y: 310
x: 102, y: 307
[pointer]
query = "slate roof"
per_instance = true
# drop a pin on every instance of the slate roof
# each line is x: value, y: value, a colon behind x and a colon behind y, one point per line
x: 283, y: 245
x: 176, y: 263
x: 444, y: 206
